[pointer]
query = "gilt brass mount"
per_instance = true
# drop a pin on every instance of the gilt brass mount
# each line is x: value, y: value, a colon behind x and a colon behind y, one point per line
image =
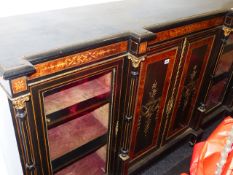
x: 227, y: 31
x: 135, y: 60
x: 19, y: 103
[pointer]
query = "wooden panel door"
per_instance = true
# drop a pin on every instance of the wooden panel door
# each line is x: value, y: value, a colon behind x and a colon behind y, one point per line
x: 154, y: 80
x: 196, y: 58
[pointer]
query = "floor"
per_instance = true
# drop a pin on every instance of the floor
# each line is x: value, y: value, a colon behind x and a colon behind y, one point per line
x: 176, y: 161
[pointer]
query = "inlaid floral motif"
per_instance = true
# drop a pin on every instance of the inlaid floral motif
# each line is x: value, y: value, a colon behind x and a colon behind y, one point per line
x: 189, y: 89
x: 81, y: 58
x: 19, y: 85
x: 150, y: 107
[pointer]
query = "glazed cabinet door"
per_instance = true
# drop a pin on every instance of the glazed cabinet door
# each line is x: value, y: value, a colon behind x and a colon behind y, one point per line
x: 154, y: 81
x: 220, y: 80
x: 197, y: 54
x: 77, y: 116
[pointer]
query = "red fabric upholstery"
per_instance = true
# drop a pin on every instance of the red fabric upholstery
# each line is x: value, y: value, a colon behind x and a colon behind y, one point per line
x: 207, y: 154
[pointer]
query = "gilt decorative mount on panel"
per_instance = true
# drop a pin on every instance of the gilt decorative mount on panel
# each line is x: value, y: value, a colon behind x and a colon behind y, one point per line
x: 228, y: 23
x: 227, y: 31
x: 19, y: 103
x: 135, y: 60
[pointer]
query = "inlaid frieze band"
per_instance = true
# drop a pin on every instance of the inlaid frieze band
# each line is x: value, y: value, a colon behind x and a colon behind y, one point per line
x: 78, y: 59
x: 187, y: 29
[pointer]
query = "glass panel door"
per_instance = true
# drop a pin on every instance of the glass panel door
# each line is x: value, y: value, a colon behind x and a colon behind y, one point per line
x: 216, y: 94
x: 221, y: 78
x: 224, y: 63
x: 77, y: 116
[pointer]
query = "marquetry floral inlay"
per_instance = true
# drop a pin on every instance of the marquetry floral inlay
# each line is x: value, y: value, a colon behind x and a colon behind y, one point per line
x: 189, y: 89
x: 150, y: 107
x: 70, y: 61
x: 19, y: 85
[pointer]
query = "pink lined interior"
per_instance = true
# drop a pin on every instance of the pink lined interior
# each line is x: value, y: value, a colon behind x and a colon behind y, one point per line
x: 92, y: 164
x: 71, y: 135
x: 224, y: 63
x: 77, y: 94
x: 215, y: 94
x: 75, y: 133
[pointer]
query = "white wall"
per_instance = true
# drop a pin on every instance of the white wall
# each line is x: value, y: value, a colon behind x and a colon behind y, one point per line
x: 3, y: 167
x: 18, y: 7
x: 9, y: 156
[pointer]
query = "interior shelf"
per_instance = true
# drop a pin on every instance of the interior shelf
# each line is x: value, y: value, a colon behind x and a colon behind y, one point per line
x: 93, y: 164
x: 76, y: 93
x: 77, y: 110
x: 75, y: 133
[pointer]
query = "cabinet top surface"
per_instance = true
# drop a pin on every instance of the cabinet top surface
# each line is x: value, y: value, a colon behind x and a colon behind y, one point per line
x: 24, y: 36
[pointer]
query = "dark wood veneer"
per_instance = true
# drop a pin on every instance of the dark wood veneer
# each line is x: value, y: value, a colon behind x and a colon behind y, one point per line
x: 157, y: 90
x: 153, y: 85
x: 187, y: 29
x: 191, y: 81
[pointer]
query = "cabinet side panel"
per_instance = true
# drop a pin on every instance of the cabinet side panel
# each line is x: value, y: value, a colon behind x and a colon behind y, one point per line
x: 8, y: 146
